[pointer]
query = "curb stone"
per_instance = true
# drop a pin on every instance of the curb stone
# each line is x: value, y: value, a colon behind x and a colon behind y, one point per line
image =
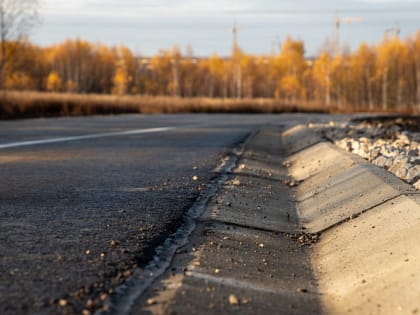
x: 367, y: 260
x: 246, y: 255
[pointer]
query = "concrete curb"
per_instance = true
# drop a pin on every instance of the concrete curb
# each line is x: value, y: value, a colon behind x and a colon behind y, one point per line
x: 337, y: 185
x: 371, y: 265
x: 249, y: 253
x: 245, y: 256
x: 367, y: 261
x: 298, y: 138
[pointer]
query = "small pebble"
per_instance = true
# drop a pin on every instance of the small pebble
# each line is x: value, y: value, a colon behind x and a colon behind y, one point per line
x: 236, y: 182
x: 151, y: 302
x: 62, y: 302
x: 233, y: 300
x: 103, y: 296
x: 302, y: 290
x: 90, y: 304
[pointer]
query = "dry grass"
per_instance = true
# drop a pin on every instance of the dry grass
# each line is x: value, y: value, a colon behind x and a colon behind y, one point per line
x: 37, y: 104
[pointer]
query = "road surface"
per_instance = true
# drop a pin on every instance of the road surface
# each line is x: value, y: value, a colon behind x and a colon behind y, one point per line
x: 84, y: 201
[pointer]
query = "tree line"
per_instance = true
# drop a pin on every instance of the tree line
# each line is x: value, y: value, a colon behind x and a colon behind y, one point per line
x: 385, y: 76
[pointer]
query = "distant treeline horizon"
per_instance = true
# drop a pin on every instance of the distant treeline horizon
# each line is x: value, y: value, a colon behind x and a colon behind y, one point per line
x: 385, y: 76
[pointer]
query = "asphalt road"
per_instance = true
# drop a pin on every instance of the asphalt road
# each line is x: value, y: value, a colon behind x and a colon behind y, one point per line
x: 84, y: 201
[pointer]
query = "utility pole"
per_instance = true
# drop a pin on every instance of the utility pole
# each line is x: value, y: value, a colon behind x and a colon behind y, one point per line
x: 237, y: 73
x: 175, y: 72
x: 235, y: 31
x: 276, y: 45
x: 338, y: 22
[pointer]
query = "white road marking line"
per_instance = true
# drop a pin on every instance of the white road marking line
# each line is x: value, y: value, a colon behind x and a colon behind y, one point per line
x: 85, y: 137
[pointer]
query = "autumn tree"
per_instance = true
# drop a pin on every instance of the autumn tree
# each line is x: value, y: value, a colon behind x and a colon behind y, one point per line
x: 161, y: 82
x: 54, y: 83
x: 322, y: 74
x: 25, y: 69
x: 363, y: 66
x: 249, y: 71
x: 120, y: 79
x: 84, y: 67
x: 414, y: 45
x: 125, y: 76
x: 384, y: 76
x: 188, y: 72
x: 17, y: 17
x: 216, y: 82
x: 262, y: 85
x: 390, y: 58
x: 338, y: 69
x: 291, y: 64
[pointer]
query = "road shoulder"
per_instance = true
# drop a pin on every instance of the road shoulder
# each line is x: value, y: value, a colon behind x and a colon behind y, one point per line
x: 300, y: 227
x: 247, y: 254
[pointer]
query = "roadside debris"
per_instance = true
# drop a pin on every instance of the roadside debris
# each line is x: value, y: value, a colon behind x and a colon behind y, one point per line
x: 292, y: 182
x: 391, y: 143
x: 62, y: 302
x: 304, y: 239
x: 233, y: 300
x: 287, y: 164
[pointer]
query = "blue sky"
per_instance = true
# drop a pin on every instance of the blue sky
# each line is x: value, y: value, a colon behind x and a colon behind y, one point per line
x: 148, y: 25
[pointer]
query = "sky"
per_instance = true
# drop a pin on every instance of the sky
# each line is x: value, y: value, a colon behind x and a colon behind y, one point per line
x: 146, y: 26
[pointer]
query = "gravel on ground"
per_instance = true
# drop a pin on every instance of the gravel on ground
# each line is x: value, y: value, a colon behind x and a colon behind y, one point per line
x: 389, y: 142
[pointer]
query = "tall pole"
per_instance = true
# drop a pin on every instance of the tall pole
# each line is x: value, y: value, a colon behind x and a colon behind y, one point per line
x: 236, y: 62
x: 235, y: 36
x: 338, y: 22
x: 276, y: 45
x: 337, y: 35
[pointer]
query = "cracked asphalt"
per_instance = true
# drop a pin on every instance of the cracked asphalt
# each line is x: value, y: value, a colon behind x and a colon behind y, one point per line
x: 77, y: 217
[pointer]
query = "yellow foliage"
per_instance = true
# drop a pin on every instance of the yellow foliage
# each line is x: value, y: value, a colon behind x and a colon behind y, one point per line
x: 54, y: 83
x: 386, y: 75
x: 120, y: 80
x: 289, y: 88
x: 19, y: 81
x: 322, y: 70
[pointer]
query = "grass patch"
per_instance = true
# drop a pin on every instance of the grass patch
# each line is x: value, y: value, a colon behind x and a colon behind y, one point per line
x: 14, y: 105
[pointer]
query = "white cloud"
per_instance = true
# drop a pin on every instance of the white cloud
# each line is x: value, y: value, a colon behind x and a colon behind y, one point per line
x: 143, y: 7
x: 206, y: 7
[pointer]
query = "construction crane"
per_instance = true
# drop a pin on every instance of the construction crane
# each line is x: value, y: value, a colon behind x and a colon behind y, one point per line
x: 338, y: 22
x: 396, y: 30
